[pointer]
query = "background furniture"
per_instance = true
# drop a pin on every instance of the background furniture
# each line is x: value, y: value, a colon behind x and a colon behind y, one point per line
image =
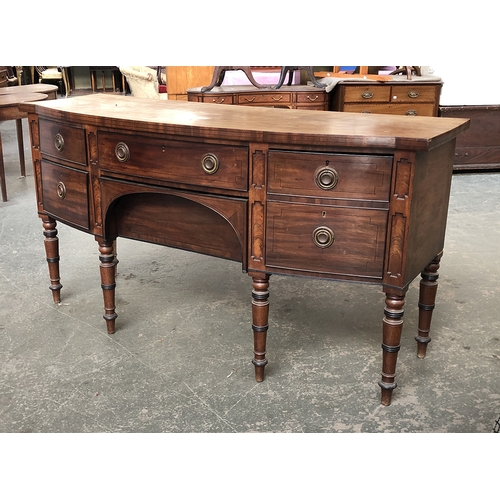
x: 479, y: 147
x: 143, y: 82
x: 9, y: 110
x: 181, y: 78
x: 323, y: 195
x: 115, y: 72
x: 56, y: 75
x: 293, y: 97
x: 401, y: 97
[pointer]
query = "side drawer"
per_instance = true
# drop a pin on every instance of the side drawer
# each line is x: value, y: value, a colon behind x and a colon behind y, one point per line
x: 311, y: 97
x: 217, y: 99
x: 189, y: 163
x: 63, y: 142
x: 324, y: 239
x: 415, y: 93
x: 367, y: 93
x: 65, y: 193
x: 360, y: 177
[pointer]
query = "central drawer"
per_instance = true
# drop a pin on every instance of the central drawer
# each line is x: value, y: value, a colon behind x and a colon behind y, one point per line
x: 329, y: 240
x: 187, y: 163
x: 325, y: 175
x: 264, y: 98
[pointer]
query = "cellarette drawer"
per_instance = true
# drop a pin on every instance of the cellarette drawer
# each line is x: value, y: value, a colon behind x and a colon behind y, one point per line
x: 325, y: 239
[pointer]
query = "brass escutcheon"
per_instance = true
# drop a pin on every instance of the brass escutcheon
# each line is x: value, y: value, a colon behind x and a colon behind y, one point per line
x: 210, y: 163
x: 411, y: 112
x: 323, y: 237
x: 367, y: 95
x: 122, y: 152
x: 326, y: 177
x: 61, y: 190
x: 59, y: 142
x: 413, y: 94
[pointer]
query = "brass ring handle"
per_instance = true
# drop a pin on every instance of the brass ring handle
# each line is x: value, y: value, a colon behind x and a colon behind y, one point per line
x: 411, y: 112
x: 326, y: 178
x: 59, y: 143
x: 367, y: 95
x: 210, y: 163
x: 323, y: 237
x: 61, y: 190
x: 122, y: 152
x: 413, y: 94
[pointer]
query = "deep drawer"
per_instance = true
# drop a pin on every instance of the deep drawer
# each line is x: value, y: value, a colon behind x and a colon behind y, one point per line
x: 324, y: 239
x: 368, y: 93
x: 408, y: 109
x: 63, y: 142
x: 188, y: 163
x: 65, y: 193
x: 360, y: 177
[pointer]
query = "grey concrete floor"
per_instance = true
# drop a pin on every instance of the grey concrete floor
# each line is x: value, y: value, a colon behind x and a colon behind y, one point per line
x: 180, y: 361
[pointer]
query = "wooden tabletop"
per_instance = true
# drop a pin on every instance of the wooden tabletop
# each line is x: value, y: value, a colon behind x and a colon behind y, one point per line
x: 34, y: 87
x: 249, y: 123
x: 14, y: 99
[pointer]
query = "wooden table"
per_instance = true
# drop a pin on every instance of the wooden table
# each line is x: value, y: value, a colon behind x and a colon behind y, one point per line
x: 339, y: 196
x: 9, y: 110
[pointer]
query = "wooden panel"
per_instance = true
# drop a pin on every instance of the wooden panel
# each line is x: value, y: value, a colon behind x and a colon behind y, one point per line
x: 181, y: 78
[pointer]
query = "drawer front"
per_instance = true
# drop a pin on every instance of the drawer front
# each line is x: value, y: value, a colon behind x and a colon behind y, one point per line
x: 359, y: 177
x: 367, y: 93
x: 311, y: 97
x: 65, y: 193
x: 63, y: 142
x: 324, y: 239
x: 217, y: 99
x: 408, y: 109
x: 208, y: 165
x: 271, y: 98
x: 415, y: 93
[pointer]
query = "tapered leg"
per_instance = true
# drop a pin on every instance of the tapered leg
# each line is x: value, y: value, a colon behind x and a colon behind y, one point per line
x: 108, y: 285
x: 260, y: 314
x: 392, y: 328
x: 20, y: 145
x: 52, y: 252
x: 426, y: 303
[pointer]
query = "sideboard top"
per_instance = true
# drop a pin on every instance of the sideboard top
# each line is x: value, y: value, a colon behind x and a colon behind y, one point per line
x: 257, y: 124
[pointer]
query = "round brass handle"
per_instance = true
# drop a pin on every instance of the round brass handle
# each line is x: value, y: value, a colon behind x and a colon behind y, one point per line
x: 323, y: 237
x: 59, y: 143
x: 413, y: 94
x: 210, y: 163
x: 411, y: 112
x: 61, y: 190
x: 326, y: 177
x: 122, y: 152
x: 367, y: 95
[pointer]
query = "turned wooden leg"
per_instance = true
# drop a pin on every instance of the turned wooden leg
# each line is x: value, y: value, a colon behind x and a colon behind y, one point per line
x: 107, y: 267
x: 260, y: 314
x: 52, y: 252
x: 426, y: 303
x: 392, y: 328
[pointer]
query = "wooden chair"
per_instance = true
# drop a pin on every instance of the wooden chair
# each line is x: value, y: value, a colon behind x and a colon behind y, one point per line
x: 51, y: 74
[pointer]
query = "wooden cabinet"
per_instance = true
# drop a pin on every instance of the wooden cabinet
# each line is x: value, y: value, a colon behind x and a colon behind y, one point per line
x: 396, y: 98
x: 181, y: 78
x: 292, y: 97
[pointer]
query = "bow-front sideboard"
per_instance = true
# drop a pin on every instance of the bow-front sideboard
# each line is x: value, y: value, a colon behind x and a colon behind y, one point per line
x: 339, y: 196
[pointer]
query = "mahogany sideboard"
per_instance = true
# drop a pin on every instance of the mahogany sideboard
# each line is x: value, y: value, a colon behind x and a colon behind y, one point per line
x: 287, y: 96
x: 339, y: 196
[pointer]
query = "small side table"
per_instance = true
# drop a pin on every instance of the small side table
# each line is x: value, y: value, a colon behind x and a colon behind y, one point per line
x: 9, y: 110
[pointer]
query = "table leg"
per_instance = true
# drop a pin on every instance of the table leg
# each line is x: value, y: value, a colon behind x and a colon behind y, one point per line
x: 426, y: 303
x: 52, y: 252
x: 392, y: 329
x: 108, y: 284
x: 260, y: 314
x: 3, y: 184
x: 20, y: 145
